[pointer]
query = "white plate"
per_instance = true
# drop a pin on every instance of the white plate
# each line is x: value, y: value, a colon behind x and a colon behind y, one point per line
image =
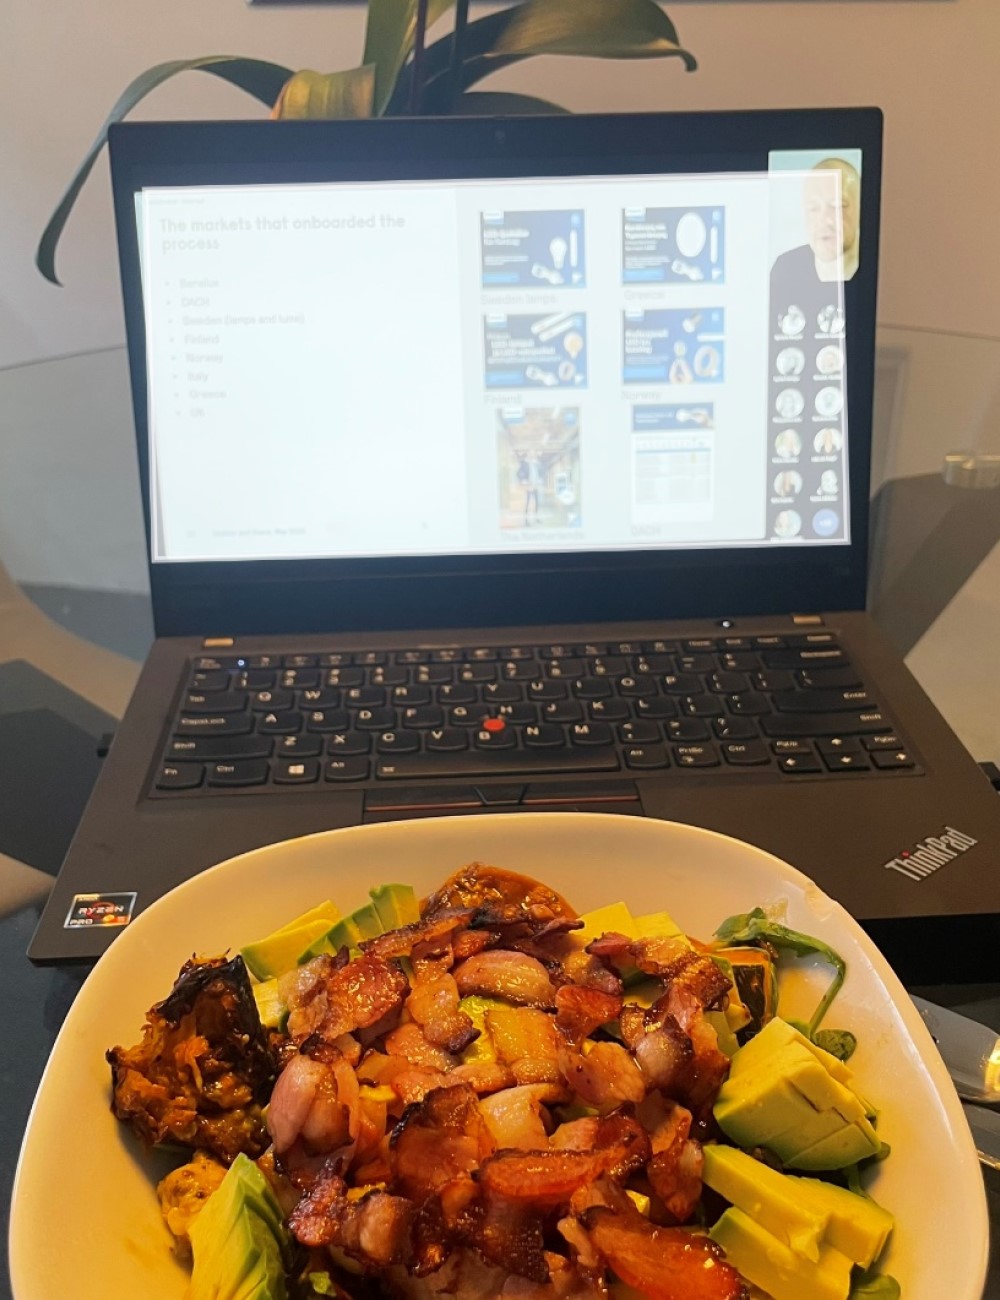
x: 691, y: 234
x: 85, y: 1221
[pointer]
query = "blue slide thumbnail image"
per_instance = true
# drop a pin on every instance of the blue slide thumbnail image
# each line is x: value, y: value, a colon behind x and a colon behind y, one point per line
x: 674, y: 345
x: 533, y: 250
x: 663, y: 417
x: 536, y: 350
x: 674, y: 245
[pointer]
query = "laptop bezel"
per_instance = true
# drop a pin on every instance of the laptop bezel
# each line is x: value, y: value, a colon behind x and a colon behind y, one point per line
x: 266, y: 597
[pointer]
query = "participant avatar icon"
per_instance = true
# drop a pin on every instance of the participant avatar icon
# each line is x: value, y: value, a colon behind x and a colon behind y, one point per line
x: 788, y: 483
x: 789, y: 403
x: 787, y: 523
x: 828, y: 442
x: 829, y: 402
x: 792, y: 321
x: 829, y: 483
x: 830, y: 360
x: 830, y: 319
x: 825, y: 523
x: 790, y: 361
x: 788, y: 444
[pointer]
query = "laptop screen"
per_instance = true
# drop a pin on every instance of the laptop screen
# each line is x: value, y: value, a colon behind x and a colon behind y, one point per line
x: 467, y: 367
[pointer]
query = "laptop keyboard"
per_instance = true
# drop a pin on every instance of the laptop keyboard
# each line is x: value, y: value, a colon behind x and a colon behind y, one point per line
x: 793, y: 705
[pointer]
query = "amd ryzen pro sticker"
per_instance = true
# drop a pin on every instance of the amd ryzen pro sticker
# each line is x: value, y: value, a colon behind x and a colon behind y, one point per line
x: 99, y: 909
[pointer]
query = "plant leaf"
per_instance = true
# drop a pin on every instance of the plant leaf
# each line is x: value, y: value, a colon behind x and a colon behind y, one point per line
x: 605, y: 29
x: 257, y: 77
x: 310, y: 94
x: 609, y: 29
x: 389, y: 36
x: 486, y: 103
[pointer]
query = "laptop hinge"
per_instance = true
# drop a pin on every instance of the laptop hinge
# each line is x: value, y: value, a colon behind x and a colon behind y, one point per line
x: 807, y: 620
x: 216, y: 642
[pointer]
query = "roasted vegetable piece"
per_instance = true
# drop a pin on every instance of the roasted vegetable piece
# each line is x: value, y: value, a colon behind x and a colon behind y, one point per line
x: 204, y: 1067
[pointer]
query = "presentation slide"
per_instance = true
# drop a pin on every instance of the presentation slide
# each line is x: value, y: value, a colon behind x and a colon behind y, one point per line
x: 674, y: 245
x: 539, y: 351
x: 533, y: 249
x: 674, y: 346
x: 471, y: 367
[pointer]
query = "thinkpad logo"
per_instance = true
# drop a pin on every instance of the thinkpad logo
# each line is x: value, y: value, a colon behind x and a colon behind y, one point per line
x: 931, y: 854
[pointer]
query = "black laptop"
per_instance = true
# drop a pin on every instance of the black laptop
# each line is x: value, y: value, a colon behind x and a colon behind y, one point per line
x: 503, y: 465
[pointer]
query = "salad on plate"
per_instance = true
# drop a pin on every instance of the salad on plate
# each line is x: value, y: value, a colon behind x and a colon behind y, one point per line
x: 483, y: 1094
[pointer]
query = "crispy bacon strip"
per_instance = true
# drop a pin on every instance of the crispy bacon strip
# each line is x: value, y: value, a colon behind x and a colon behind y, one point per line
x: 366, y: 992
x: 439, y: 1139
x: 662, y: 1263
x: 433, y: 1004
x: 579, y: 1011
x: 432, y: 931
x: 514, y: 976
x: 375, y: 1229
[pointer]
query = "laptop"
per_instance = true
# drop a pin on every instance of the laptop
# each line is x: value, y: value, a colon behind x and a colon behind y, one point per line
x: 518, y: 464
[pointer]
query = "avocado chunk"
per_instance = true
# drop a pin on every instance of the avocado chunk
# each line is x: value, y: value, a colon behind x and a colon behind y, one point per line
x: 325, y: 911
x: 271, y: 1007
x: 773, y: 1266
x: 770, y: 1198
x: 395, y: 905
x: 347, y: 933
x: 857, y: 1226
x: 657, y: 925
x: 476, y: 1007
x: 280, y: 951
x: 788, y: 1095
x: 239, y: 1241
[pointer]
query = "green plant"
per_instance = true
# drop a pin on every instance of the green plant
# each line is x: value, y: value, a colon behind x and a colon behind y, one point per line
x: 401, y: 74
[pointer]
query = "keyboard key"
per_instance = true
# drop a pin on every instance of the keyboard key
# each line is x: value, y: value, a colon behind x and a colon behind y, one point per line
x: 337, y: 659
x: 345, y: 677
x: 214, y: 702
x: 180, y: 776
x: 225, y: 724
x: 653, y: 663
x: 297, y: 771
x: 724, y: 681
x: 590, y: 733
x: 520, y: 670
x: 790, y: 726
x: 817, y: 701
x: 397, y: 742
x: 495, y: 738
x: 812, y: 679
x: 769, y: 642
x: 284, y: 723
x: 695, y: 644
x: 433, y: 674
x: 887, y: 759
x: 735, y: 728
x: 216, y: 748
x: 210, y: 681
x: 297, y: 661
x: 592, y: 688
x: 298, y: 746
x: 609, y: 710
x: 240, y: 772
x: 254, y: 679
x: 448, y: 694
x: 299, y: 678
x: 681, y: 683
x: 688, y: 729
x: 212, y: 663
x: 545, y: 735
x: 839, y: 745
x: 888, y: 740
x: 335, y: 719
x: 745, y: 753
x: 563, y: 711
x: 568, y: 667
x: 803, y: 658
x: 517, y: 714
x: 423, y: 716
x: 739, y: 661
x: 640, y: 685
x: 268, y: 701
x: 700, y: 706
x: 607, y: 666
x: 388, y: 676
x: 373, y: 720
x: 446, y: 740
x: 749, y: 704
x: 511, y: 762
x: 696, y: 756
x: 773, y: 679
x: 660, y: 706
x: 477, y: 673
x: 639, y: 733
x: 811, y: 638
x: 700, y: 663
x: 501, y: 692
x: 801, y: 764
x: 412, y: 656
x: 548, y: 690
x: 370, y: 658
x: 357, y: 697
x: 848, y: 761
x: 319, y: 697
x: 463, y: 715
x: 344, y: 743
x: 646, y: 757
x: 346, y: 769
x: 780, y: 747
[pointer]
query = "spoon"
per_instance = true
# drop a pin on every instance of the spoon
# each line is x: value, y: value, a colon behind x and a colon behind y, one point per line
x: 970, y: 1051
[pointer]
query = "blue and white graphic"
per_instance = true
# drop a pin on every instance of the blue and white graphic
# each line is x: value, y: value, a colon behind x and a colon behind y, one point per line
x: 533, y: 250
x: 674, y: 245
x: 536, y: 351
x: 657, y: 417
x: 674, y: 346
